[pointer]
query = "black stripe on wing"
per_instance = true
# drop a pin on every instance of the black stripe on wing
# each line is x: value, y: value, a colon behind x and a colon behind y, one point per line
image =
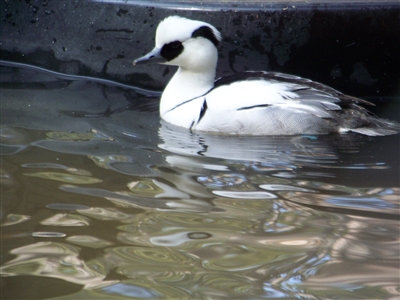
x: 203, y: 110
x: 254, y: 106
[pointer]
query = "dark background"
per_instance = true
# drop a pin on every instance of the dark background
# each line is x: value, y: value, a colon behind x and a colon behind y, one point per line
x: 351, y: 46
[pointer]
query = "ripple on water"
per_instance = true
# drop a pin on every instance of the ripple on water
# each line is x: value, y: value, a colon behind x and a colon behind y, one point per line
x: 66, y: 178
x: 14, y: 140
x: 375, y: 200
x: 131, y: 290
x: 66, y: 220
x: 184, y: 229
x: 13, y: 219
x: 88, y: 241
x: 173, y: 214
x: 107, y: 214
x: 47, y: 234
x: 145, y: 289
x: 50, y: 259
x: 157, y: 256
x: 67, y: 206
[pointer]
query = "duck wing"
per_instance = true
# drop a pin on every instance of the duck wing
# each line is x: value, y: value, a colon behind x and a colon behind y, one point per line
x: 254, y: 90
x: 286, y: 104
x: 305, y: 89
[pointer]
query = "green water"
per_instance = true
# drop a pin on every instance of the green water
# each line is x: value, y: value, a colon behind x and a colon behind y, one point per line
x: 101, y: 201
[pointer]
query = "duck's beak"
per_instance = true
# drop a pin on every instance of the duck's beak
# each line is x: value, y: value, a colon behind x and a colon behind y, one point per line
x: 154, y: 56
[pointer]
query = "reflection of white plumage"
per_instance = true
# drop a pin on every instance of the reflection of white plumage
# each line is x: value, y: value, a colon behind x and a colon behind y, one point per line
x: 247, y: 103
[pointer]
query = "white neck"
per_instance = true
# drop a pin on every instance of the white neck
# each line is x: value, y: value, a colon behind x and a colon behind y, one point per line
x: 186, y: 85
x: 195, y: 76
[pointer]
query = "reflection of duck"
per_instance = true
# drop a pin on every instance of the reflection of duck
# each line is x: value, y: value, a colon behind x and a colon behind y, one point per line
x: 272, y: 152
x: 247, y: 103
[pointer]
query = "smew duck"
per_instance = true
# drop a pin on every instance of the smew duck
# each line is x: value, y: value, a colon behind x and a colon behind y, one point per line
x: 247, y: 103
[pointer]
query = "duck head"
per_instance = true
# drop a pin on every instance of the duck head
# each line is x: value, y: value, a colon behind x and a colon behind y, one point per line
x: 185, y: 43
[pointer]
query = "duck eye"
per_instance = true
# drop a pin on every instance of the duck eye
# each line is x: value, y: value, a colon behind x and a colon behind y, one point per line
x: 171, y: 50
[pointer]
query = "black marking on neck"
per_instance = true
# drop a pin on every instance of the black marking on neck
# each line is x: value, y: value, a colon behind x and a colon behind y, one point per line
x: 172, y: 50
x: 187, y: 101
x: 206, y: 32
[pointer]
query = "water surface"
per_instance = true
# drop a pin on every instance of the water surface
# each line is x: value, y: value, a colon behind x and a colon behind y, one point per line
x: 102, y: 201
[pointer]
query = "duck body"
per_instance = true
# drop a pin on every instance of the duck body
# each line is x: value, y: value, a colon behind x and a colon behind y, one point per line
x: 247, y: 103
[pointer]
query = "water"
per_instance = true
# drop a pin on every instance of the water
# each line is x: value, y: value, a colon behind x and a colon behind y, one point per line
x: 101, y: 201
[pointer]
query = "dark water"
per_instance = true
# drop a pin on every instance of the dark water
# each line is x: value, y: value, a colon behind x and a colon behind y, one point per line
x: 101, y: 201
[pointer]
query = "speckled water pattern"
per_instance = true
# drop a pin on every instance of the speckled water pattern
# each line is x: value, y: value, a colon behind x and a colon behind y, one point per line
x: 100, y: 200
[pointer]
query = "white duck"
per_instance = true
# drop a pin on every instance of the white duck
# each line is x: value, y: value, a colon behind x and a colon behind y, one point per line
x: 247, y: 103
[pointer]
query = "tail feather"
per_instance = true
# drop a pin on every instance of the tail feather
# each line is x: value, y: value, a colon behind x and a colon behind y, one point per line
x: 376, y: 127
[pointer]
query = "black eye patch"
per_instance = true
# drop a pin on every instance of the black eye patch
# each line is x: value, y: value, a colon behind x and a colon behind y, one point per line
x: 171, y: 50
x: 206, y: 32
